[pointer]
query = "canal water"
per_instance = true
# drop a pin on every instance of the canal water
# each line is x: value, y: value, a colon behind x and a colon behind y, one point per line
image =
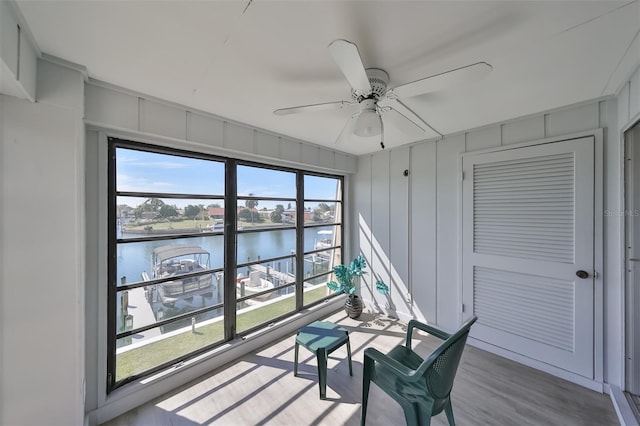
x: 135, y: 258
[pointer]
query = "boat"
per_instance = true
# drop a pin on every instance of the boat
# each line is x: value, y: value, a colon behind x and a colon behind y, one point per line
x: 215, y: 227
x: 174, y: 261
x: 254, y: 284
x: 325, y: 239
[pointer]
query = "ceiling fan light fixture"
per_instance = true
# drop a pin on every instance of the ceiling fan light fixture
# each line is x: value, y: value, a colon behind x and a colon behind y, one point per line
x: 368, y: 124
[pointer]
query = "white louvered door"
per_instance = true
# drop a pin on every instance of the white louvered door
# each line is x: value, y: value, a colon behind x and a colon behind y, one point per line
x: 527, y: 229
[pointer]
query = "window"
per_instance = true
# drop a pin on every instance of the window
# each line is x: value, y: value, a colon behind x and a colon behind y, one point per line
x: 204, y: 249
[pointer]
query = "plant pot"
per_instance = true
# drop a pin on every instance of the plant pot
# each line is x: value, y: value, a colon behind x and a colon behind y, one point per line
x: 353, y: 307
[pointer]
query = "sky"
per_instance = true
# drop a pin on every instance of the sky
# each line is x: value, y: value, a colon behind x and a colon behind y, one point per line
x: 140, y: 171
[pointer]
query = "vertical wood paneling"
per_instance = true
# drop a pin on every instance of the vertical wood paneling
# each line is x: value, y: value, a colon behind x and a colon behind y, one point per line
x: 528, y: 129
x: 380, y: 238
x: 9, y: 37
x: 290, y: 150
x: 60, y: 86
x: 623, y: 107
x: 110, y: 106
x: 399, y: 230
x: 325, y: 158
x: 238, y: 138
x: 448, y: 153
x: 165, y: 120
x: 42, y: 164
x: 422, y: 234
x: 204, y: 129
x: 28, y: 66
x: 634, y: 94
x: 341, y: 161
x: 118, y: 108
x: 573, y: 120
x: 94, y: 196
x: 361, y: 219
x: 267, y: 145
x: 487, y: 137
x: 310, y: 154
x: 613, y: 247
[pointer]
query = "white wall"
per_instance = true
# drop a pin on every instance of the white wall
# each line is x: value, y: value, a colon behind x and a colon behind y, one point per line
x: 114, y: 111
x: 434, y: 210
x: 137, y: 116
x: 42, y: 229
x: 410, y: 223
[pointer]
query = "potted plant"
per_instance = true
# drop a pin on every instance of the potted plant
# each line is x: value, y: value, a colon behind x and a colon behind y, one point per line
x: 347, y: 278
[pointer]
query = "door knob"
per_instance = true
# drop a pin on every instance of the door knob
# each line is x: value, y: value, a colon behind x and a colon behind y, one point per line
x: 582, y: 274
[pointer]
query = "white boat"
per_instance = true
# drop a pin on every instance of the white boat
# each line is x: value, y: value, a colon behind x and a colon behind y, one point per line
x: 254, y: 284
x: 216, y: 227
x: 325, y: 239
x: 174, y: 261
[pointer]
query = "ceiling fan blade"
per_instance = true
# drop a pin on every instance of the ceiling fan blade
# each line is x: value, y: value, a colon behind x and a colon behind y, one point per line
x: 312, y: 108
x: 348, y: 60
x: 446, y: 79
x: 403, y: 109
x: 348, y: 129
x: 400, y: 121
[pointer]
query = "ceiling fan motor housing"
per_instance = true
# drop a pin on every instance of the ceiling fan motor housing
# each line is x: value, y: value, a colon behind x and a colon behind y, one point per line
x: 378, y: 79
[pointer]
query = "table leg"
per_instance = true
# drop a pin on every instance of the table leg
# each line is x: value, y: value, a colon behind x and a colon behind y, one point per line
x: 322, y: 372
x: 349, y: 356
x: 295, y: 360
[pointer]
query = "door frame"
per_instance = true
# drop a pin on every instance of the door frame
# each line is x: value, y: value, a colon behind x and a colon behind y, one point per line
x: 630, y: 302
x: 598, y: 263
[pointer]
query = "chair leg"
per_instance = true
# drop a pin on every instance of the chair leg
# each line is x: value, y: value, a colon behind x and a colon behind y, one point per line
x: 366, y: 384
x: 411, y: 415
x: 449, y: 412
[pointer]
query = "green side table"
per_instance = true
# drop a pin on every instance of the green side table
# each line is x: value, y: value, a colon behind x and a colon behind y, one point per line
x: 322, y: 338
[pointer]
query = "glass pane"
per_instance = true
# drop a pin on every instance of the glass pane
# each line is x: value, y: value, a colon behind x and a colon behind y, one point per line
x: 141, y: 171
x: 145, y: 306
x: 258, y: 245
x: 316, y: 289
x: 259, y: 182
x: 250, y: 315
x: 140, y: 217
x: 277, y: 273
x: 323, y: 212
x: 147, y: 260
x: 265, y: 213
x: 321, y: 188
x: 136, y: 356
x: 321, y: 262
x: 317, y: 238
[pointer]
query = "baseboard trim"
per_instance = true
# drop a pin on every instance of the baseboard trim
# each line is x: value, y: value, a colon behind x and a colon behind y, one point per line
x: 622, y: 406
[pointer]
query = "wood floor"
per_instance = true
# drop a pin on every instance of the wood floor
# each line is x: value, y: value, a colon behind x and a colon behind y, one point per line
x: 260, y: 389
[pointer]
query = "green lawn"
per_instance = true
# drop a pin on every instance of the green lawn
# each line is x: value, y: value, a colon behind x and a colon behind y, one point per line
x: 153, y: 354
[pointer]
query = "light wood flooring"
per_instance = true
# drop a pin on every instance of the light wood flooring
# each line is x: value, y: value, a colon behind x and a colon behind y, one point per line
x: 260, y: 389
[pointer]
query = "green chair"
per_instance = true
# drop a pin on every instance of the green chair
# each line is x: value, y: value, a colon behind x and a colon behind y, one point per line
x: 421, y: 387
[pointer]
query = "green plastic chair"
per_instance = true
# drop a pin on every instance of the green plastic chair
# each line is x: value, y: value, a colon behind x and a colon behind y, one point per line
x: 421, y: 387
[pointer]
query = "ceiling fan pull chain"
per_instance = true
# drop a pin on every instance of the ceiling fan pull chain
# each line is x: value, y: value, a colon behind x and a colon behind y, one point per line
x: 381, y: 130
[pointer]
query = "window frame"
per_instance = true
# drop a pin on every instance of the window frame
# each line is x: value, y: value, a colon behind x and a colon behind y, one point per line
x: 230, y: 262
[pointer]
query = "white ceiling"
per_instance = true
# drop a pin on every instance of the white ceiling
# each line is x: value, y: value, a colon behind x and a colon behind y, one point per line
x: 243, y: 59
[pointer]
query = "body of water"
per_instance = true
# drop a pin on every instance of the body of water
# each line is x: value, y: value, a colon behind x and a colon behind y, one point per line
x: 135, y: 258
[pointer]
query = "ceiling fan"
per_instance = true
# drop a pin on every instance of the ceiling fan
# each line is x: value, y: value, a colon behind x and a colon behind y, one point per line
x: 374, y: 101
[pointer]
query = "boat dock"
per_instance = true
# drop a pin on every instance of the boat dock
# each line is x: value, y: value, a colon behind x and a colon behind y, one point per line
x: 273, y: 275
x: 142, y: 313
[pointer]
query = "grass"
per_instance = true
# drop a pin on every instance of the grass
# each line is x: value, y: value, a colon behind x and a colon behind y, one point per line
x: 145, y: 357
